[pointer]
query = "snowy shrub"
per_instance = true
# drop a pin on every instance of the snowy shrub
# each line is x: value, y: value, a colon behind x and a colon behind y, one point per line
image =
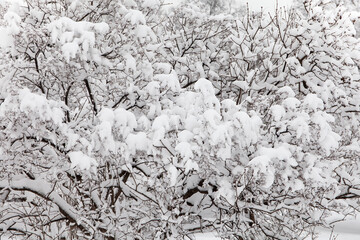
x: 135, y: 120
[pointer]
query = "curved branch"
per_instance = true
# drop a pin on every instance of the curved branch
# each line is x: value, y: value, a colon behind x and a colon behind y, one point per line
x: 45, y: 190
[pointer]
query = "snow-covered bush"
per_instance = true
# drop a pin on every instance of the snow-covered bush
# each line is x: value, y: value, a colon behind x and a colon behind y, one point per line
x: 135, y: 120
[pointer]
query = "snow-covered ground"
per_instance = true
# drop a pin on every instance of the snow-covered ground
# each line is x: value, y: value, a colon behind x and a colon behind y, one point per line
x: 348, y: 230
x: 327, y: 235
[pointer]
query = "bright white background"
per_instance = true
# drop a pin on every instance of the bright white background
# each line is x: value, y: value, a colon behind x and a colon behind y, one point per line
x: 254, y: 5
x: 268, y: 5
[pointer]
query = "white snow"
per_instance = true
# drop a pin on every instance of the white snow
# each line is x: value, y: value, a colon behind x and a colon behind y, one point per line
x: 69, y: 50
x: 291, y: 103
x: 160, y: 126
x: 125, y: 120
x: 212, y: 117
x: 137, y: 141
x: 12, y: 20
x: 173, y: 174
x: 187, y: 123
x: 130, y: 63
x: 135, y: 17
x: 107, y: 115
x: 282, y: 153
x: 191, y: 123
x: 205, y: 87
x: 347, y: 230
x: 77, y: 37
x: 226, y: 190
x: 168, y: 81
x: 191, y: 165
x: 300, y: 124
x: 82, y: 162
x: 249, y: 125
x: 143, y: 31
x: 129, y: 3
x: 185, y: 136
x: 43, y: 108
x: 45, y: 189
x: 328, y: 139
x: 262, y: 165
x: 184, y: 149
x: 241, y: 84
x: 163, y: 67
x: 277, y: 112
x: 153, y: 88
x: 151, y: 3
x: 144, y: 123
x: 104, y: 133
x: 313, y: 102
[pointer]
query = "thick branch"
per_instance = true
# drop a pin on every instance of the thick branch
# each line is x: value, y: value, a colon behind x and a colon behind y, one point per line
x: 45, y: 190
x: 92, y: 100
